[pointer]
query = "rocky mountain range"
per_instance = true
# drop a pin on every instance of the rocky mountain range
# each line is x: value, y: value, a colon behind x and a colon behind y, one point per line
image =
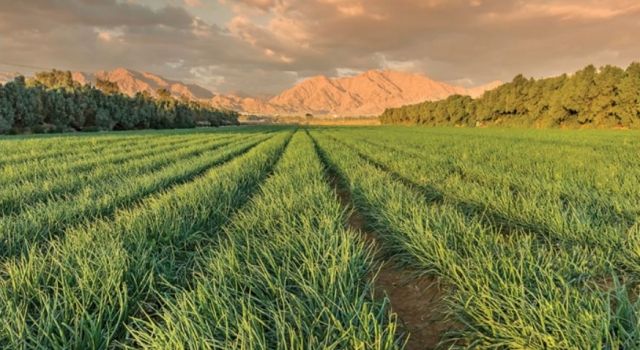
x: 369, y: 93
x: 131, y: 82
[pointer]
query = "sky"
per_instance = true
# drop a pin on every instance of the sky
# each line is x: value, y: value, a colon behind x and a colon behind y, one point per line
x: 260, y: 47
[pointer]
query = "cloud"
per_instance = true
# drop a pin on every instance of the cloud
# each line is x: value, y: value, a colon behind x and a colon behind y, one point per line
x: 579, y: 10
x: 109, y: 35
x: 347, y: 72
x: 193, y: 3
x: 209, y: 76
x: 479, y: 40
x: 254, y: 46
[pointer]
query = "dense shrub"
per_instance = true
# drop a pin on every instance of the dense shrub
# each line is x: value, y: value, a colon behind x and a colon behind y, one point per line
x: 602, y: 98
x: 54, y: 101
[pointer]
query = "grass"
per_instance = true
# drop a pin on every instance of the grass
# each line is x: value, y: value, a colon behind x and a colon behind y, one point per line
x: 47, y: 220
x: 61, y: 181
x: 285, y: 274
x: 235, y: 238
x: 538, y: 268
x: 78, y: 292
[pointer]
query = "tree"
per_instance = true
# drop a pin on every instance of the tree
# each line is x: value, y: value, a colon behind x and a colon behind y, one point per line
x: 56, y: 109
x: 627, y: 102
x: 605, y: 97
x: 163, y: 94
x: 26, y: 103
x: 603, y: 111
x: 6, y: 111
x: 55, y: 98
x: 55, y: 80
x: 108, y: 87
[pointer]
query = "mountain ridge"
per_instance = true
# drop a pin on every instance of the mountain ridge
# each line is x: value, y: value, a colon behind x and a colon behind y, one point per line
x: 131, y: 82
x: 366, y: 94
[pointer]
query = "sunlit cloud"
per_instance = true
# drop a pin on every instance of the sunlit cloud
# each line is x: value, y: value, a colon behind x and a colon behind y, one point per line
x: 193, y: 3
x: 449, y: 40
x: 109, y: 35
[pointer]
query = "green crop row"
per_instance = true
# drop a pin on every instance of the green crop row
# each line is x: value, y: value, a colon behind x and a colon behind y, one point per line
x: 81, y: 291
x: 85, y: 158
x: 106, y: 172
x: 507, y: 289
x: 18, y: 149
x: 42, y: 222
x: 561, y: 196
x: 236, y: 239
x: 285, y: 274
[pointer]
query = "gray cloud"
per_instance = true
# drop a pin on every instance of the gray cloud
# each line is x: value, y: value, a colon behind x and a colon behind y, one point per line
x: 263, y: 46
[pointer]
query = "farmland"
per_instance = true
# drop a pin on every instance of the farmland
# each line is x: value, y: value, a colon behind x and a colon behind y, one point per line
x: 277, y: 237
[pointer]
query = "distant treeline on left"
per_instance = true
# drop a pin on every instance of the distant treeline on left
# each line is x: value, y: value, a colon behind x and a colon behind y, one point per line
x: 54, y: 102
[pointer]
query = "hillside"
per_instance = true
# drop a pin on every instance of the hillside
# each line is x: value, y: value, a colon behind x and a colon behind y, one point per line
x: 131, y: 82
x: 369, y: 93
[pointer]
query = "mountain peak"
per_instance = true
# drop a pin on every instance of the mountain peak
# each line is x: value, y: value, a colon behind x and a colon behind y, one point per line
x: 368, y: 93
x: 122, y: 70
x: 131, y: 82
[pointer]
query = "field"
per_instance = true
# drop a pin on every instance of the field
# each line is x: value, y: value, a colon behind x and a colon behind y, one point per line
x: 276, y: 237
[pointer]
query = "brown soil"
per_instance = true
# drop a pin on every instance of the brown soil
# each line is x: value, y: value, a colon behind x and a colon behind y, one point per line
x: 418, y: 301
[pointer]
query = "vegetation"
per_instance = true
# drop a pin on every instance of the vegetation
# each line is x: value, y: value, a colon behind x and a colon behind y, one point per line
x: 241, y: 238
x: 537, y: 251
x: 285, y: 274
x: 309, y: 120
x: 608, y: 97
x: 54, y: 102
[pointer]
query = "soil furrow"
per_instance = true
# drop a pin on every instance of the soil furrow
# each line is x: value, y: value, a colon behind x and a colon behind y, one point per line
x: 417, y: 300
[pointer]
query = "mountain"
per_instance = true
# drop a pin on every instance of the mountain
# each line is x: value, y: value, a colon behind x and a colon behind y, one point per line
x: 6, y: 77
x: 131, y: 82
x: 244, y: 104
x: 369, y: 93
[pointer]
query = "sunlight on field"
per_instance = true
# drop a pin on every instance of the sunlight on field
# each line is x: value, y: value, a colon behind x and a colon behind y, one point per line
x: 309, y: 237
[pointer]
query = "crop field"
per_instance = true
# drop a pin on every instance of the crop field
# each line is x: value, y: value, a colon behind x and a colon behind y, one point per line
x: 277, y: 237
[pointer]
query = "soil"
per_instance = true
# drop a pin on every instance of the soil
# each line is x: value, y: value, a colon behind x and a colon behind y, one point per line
x: 418, y: 301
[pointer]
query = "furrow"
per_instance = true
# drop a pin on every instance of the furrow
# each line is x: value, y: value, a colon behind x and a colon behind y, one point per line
x: 32, y: 227
x: 80, y: 292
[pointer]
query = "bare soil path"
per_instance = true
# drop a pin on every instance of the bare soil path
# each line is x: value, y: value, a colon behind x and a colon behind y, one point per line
x: 418, y: 301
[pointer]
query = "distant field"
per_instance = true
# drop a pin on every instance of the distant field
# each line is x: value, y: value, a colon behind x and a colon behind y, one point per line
x: 275, y: 237
x: 316, y: 120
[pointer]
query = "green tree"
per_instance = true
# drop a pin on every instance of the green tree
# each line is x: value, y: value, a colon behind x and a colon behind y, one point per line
x: 627, y: 102
x: 108, y: 87
x: 604, y: 97
x: 55, y: 98
x: 603, y: 111
x: 55, y: 80
x: 6, y: 111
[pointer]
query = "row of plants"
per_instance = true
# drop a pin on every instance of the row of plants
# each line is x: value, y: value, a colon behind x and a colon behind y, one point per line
x: 83, y: 288
x: 284, y: 274
x: 44, y: 220
x: 508, y: 286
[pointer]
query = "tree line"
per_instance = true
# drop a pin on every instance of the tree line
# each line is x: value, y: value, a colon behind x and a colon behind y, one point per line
x: 54, y: 102
x: 608, y: 97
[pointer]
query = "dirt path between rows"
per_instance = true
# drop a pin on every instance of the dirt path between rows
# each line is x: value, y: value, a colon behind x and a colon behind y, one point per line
x: 416, y: 300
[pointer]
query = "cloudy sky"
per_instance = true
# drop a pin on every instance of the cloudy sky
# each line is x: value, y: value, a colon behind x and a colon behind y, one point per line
x: 263, y: 46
